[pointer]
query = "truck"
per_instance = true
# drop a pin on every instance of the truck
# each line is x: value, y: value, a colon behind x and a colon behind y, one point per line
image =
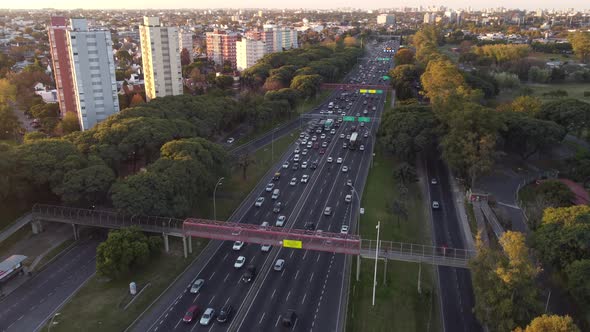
x: 328, y: 124
x: 353, y: 140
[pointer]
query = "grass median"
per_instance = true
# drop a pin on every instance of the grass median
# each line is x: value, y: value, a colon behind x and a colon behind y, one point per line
x: 398, y: 304
x: 99, y: 305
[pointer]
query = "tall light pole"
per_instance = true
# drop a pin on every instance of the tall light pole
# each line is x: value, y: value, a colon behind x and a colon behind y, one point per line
x: 376, y: 260
x: 51, y: 322
x: 214, y: 191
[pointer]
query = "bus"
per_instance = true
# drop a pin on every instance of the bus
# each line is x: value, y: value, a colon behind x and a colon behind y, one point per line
x: 353, y: 140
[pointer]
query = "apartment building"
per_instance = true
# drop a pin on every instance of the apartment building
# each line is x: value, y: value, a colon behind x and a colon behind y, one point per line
x: 62, y: 70
x: 93, y: 72
x: 185, y: 39
x: 284, y: 38
x: 265, y: 35
x: 221, y: 47
x: 248, y: 51
x: 386, y: 19
x: 160, y: 53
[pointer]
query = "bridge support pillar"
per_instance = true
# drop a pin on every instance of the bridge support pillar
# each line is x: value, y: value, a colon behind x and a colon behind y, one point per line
x: 37, y: 226
x: 358, y: 267
x: 76, y: 232
x: 166, y: 245
x: 190, y: 244
x: 184, y: 246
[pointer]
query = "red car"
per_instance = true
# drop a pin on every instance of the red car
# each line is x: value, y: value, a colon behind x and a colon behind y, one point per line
x: 322, y: 151
x: 190, y: 314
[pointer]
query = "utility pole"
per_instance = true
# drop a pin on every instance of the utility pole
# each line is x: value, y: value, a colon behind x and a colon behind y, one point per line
x: 419, y: 273
x: 376, y: 261
x: 214, y: 191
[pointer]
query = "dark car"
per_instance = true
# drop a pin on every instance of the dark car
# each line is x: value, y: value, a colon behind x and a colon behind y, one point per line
x: 190, y: 314
x: 289, y: 318
x: 295, y: 166
x: 310, y: 226
x: 250, y: 273
x: 314, y: 165
x: 322, y: 151
x: 277, y: 207
x: 225, y: 313
x: 277, y: 176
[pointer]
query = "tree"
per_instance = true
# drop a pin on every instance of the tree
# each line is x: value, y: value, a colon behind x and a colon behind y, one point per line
x: 577, y: 280
x: 552, y: 323
x: 403, y: 80
x: 527, y: 136
x: 443, y: 84
x: 399, y: 209
x: 555, y: 193
x: 565, y: 215
x: 404, y: 56
x: 123, y: 250
x: 224, y: 82
x: 185, y: 57
x: 405, y: 174
x: 244, y: 161
x: 581, y: 45
x: 350, y: 41
x: 407, y: 133
x: 307, y: 85
x: 470, y: 144
x: 136, y: 100
x: 124, y: 58
x: 87, y: 186
x: 526, y: 104
x: 7, y: 91
x: 572, y: 114
x: 10, y: 126
x: 70, y: 123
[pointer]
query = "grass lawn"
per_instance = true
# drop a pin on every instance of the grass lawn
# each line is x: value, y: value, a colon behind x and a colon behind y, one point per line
x: 98, y: 306
x: 447, y: 50
x: 574, y: 90
x: 304, y: 107
x: 398, y: 305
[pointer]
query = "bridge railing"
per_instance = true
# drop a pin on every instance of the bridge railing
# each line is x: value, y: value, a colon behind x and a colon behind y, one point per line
x: 105, y: 218
x: 417, y: 250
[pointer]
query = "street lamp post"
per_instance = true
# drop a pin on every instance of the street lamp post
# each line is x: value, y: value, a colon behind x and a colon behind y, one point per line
x: 214, y: 191
x: 376, y: 260
x: 51, y: 323
x: 359, y: 210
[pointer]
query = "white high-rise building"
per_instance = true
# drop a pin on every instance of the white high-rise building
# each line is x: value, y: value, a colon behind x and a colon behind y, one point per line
x: 284, y: 38
x: 248, y: 51
x: 93, y: 72
x: 160, y: 53
x: 185, y: 39
x: 386, y: 19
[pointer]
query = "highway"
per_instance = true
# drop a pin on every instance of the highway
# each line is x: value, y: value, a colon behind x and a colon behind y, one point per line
x: 457, y: 298
x: 311, y: 283
x: 28, y: 307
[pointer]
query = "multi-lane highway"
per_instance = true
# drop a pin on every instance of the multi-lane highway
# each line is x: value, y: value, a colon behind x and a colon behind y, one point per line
x: 312, y: 283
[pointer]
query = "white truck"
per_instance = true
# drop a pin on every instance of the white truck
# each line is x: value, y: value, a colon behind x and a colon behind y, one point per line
x: 353, y: 141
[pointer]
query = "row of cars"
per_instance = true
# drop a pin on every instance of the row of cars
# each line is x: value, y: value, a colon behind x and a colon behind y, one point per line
x: 209, y: 314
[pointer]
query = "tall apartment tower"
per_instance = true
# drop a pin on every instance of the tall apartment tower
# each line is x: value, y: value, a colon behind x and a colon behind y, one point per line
x: 221, y: 47
x: 284, y: 38
x: 248, y: 51
x: 160, y: 54
x: 93, y: 72
x: 66, y: 95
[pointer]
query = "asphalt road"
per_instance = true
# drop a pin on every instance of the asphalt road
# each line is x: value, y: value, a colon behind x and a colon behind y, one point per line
x: 29, y: 307
x: 312, y: 283
x: 456, y: 290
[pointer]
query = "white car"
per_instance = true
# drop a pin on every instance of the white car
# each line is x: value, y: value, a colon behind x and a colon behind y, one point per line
x: 296, y: 157
x: 265, y: 247
x: 362, y: 148
x: 259, y: 201
x: 309, y: 145
x: 342, y: 136
x: 304, y: 178
x: 314, y: 138
x: 296, y: 150
x: 304, y: 152
x: 238, y: 245
x: 344, y: 169
x: 286, y: 164
x: 433, y: 181
x: 280, y: 221
x: 347, y: 136
x: 339, y: 160
x: 333, y: 131
x: 323, y: 136
x: 329, y: 159
x: 230, y: 140
x: 435, y: 205
x: 344, y: 229
x: 196, y: 286
x: 348, y: 198
x: 366, y: 134
x: 279, y: 265
x: 240, y: 262
x: 269, y: 187
x: 293, y: 182
x: 207, y: 316
x: 304, y: 164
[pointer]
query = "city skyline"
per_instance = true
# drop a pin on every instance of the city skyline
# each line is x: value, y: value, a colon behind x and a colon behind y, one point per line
x: 308, y: 4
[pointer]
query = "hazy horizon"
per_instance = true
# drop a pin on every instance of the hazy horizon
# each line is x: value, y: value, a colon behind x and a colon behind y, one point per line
x: 302, y: 4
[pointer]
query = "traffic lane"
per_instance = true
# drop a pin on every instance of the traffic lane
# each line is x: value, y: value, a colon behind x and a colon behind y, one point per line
x: 28, y: 307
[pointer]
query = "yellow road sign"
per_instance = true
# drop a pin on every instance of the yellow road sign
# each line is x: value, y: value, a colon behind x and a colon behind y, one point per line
x: 372, y: 91
x: 363, y: 90
x: 292, y: 244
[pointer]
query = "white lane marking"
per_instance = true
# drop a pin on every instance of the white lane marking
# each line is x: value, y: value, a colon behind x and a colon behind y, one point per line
x: 277, y: 323
x: 304, y: 296
x: 225, y: 279
x: 212, y: 275
x: 195, y: 299
x: 273, y: 293
x: 211, y: 299
x: 296, y: 274
x: 261, y: 318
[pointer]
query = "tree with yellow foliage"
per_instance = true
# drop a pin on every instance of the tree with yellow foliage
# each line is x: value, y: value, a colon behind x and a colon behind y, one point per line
x: 553, y: 323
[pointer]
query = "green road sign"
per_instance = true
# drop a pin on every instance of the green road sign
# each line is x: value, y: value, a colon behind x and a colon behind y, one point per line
x: 379, y: 92
x: 385, y: 78
x: 364, y: 119
x: 348, y: 118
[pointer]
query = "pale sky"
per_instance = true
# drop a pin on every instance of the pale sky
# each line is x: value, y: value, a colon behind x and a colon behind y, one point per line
x: 325, y: 4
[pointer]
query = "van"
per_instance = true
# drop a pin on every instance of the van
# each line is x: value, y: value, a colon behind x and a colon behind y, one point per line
x: 275, y: 194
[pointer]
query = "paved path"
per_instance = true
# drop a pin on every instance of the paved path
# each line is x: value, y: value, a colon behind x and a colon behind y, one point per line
x: 15, y: 226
